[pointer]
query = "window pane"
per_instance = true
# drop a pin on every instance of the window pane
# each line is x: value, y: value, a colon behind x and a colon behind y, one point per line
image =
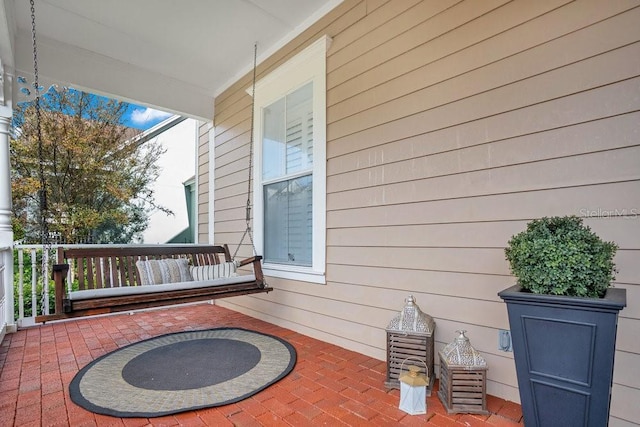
x: 287, y: 141
x: 273, y: 140
x: 300, y: 129
x: 288, y: 221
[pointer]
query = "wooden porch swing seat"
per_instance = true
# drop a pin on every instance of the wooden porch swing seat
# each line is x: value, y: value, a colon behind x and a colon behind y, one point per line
x: 108, y: 280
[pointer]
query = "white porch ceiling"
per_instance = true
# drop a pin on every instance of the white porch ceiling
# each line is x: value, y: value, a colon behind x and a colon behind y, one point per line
x: 167, y: 54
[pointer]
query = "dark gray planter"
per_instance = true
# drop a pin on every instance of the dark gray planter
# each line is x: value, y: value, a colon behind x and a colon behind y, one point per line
x: 564, y: 349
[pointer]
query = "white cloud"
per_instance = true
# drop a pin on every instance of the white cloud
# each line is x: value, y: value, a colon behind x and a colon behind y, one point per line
x: 147, y: 115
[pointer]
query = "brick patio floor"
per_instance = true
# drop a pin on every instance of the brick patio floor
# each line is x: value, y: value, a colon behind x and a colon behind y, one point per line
x: 328, y: 386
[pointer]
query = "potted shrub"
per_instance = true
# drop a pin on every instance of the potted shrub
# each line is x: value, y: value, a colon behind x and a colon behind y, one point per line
x: 563, y: 316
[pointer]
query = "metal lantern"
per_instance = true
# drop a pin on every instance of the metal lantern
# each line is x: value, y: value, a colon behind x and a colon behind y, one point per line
x: 410, y: 335
x: 413, y: 392
x: 463, y: 378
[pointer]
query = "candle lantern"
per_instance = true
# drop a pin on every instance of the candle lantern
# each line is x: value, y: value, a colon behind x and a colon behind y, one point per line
x: 410, y: 335
x: 463, y: 378
x: 413, y: 391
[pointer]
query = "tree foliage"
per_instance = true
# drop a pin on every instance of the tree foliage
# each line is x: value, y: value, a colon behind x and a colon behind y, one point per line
x: 98, y: 174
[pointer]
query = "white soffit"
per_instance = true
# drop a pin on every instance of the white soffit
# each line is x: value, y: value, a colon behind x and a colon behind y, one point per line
x: 168, y: 54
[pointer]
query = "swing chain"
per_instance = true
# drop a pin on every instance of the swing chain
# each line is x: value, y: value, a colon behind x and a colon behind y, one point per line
x: 44, y: 226
x: 247, y: 230
x: 43, y: 182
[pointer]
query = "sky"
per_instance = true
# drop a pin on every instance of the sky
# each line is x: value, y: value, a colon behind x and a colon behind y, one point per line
x: 136, y: 116
x: 143, y: 117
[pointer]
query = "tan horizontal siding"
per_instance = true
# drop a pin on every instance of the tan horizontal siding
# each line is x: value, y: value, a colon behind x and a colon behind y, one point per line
x: 235, y: 191
x: 623, y: 230
x: 234, y: 201
x: 628, y: 379
x: 230, y: 134
x: 229, y: 214
x: 232, y: 178
x: 617, y: 65
x: 480, y: 43
x: 375, y: 279
x: 371, y: 22
x: 580, y: 138
x: 234, y: 226
x: 405, y: 26
x: 484, y: 65
x: 627, y: 339
x: 501, y: 207
x: 472, y: 234
x: 408, y: 31
x: 626, y: 404
x: 239, y: 154
x: 236, y: 108
x: 233, y: 167
x: 451, y: 125
x: 406, y: 187
x: 632, y: 311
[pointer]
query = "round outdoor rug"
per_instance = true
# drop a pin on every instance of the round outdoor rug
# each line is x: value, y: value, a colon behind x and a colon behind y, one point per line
x: 182, y: 371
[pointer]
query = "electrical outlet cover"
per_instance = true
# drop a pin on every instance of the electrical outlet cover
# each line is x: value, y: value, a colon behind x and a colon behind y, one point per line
x: 504, y: 340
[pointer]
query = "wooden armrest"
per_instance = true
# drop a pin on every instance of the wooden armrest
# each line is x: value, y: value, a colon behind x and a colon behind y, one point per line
x: 250, y: 260
x: 257, y: 269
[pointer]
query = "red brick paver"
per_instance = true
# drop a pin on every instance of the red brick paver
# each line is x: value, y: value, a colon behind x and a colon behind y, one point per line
x: 329, y: 385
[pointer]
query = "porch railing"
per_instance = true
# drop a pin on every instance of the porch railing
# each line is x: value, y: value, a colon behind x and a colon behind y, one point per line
x: 32, y: 282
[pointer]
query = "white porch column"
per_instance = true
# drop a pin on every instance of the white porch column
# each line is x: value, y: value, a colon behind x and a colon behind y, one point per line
x: 212, y: 185
x: 5, y: 177
x: 6, y: 232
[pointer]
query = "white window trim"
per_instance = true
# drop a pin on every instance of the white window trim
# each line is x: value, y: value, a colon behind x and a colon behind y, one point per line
x: 308, y: 65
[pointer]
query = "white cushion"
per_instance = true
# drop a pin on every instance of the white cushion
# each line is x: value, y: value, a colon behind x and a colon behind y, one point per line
x: 136, y: 290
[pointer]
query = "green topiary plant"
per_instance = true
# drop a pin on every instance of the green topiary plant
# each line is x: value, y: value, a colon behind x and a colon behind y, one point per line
x: 561, y: 256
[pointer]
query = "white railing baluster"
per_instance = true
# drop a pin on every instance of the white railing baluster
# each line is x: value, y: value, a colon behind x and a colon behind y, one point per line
x: 34, y: 283
x: 45, y: 280
x: 20, y: 283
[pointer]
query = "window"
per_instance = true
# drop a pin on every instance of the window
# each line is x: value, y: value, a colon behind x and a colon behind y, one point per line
x: 290, y: 166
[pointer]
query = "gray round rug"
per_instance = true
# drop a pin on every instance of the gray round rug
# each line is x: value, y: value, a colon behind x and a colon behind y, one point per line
x: 182, y: 371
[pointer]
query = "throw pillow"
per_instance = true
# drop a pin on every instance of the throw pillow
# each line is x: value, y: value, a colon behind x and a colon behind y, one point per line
x: 216, y: 271
x: 158, y: 271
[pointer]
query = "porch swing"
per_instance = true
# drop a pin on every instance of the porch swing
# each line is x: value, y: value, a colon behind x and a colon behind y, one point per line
x: 130, y: 277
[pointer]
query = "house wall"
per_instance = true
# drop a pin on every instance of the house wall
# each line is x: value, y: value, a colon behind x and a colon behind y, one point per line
x: 450, y: 125
x: 177, y: 166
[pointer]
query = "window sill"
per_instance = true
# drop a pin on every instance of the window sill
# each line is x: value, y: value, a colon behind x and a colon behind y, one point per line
x: 302, y: 274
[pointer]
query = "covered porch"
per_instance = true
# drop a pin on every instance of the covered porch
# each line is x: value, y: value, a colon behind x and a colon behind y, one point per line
x: 160, y: 55
x: 328, y: 386
x: 449, y: 125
